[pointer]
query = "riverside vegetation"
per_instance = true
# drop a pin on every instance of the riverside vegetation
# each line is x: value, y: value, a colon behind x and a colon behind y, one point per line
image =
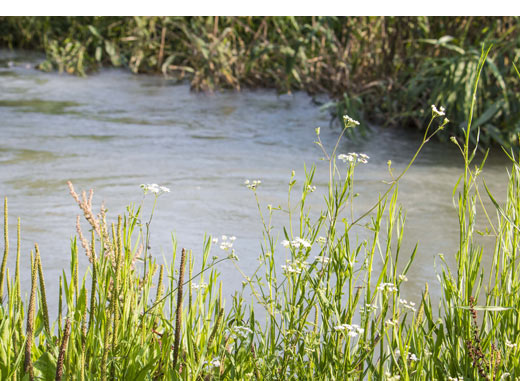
x: 331, y: 303
x: 388, y: 69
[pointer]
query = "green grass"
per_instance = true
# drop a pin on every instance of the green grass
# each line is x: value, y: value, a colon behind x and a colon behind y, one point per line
x: 330, y: 303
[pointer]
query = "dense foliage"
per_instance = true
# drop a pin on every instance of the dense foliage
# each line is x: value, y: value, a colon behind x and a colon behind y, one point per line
x: 389, y: 69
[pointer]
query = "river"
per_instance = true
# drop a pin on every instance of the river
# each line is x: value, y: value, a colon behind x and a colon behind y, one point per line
x: 113, y: 131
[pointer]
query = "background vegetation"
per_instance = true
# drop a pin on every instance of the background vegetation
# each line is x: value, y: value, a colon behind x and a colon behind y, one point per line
x: 385, y: 70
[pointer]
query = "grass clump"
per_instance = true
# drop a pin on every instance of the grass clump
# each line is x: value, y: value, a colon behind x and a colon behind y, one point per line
x: 323, y: 303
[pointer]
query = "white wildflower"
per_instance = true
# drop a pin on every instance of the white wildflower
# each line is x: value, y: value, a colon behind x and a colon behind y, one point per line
x: 196, y: 286
x: 311, y: 188
x: 392, y: 322
x: 297, y: 243
x: 346, y: 158
x: 349, y: 122
x: 439, y: 112
x: 368, y: 308
x: 294, y: 267
x: 302, y: 242
x: 252, y: 184
x: 392, y: 377
x: 226, y: 246
x: 353, y: 330
x: 322, y: 259
x: 387, y: 287
x: 403, y: 278
x: 242, y: 331
x: 353, y: 157
x: 214, y: 240
x: 510, y: 344
x: 408, y: 305
x: 215, y: 362
x: 413, y: 357
x: 154, y: 188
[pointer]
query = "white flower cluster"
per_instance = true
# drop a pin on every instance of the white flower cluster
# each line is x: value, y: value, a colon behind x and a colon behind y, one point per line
x: 294, y: 267
x: 311, y: 188
x: 214, y: 363
x: 387, y: 287
x: 392, y: 322
x: 196, y: 286
x: 154, y: 188
x: 510, y: 344
x: 392, y: 377
x: 349, y: 122
x: 408, y: 305
x: 242, y: 331
x: 411, y: 356
x: 227, y: 242
x: 238, y: 331
x: 322, y: 259
x: 252, y: 184
x: 368, y: 308
x: 438, y: 112
x: 352, y: 329
x: 353, y: 157
x: 460, y: 378
x: 297, y: 243
x: 403, y: 278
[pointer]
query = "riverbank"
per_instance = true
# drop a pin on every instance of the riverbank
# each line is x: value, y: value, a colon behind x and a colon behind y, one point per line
x: 380, y: 70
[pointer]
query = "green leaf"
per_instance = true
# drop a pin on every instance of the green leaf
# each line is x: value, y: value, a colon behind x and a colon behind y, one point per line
x: 499, y: 209
x: 46, y: 365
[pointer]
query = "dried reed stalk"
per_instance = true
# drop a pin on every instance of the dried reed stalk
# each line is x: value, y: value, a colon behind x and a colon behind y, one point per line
x: 98, y: 224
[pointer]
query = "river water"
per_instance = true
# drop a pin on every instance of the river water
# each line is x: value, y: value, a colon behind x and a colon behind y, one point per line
x: 113, y: 131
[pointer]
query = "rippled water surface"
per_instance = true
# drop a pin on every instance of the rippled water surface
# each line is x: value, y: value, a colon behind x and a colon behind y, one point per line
x: 113, y: 131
